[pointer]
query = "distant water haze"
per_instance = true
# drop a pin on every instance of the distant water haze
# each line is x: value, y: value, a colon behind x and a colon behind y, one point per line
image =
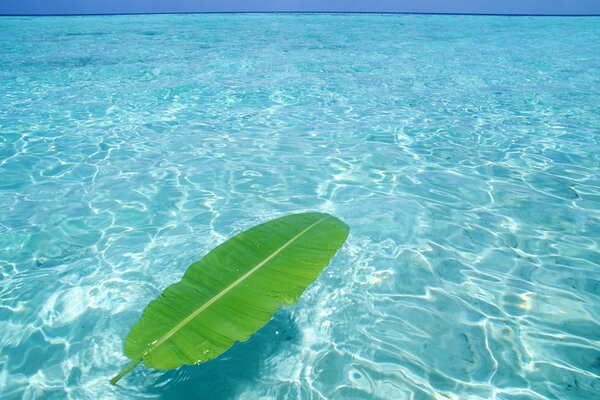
x: 530, y: 7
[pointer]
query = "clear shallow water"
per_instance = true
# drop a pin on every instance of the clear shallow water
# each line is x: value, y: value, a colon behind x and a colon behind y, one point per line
x: 464, y: 152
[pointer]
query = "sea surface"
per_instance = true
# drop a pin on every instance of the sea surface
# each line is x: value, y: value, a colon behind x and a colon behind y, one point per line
x: 463, y: 152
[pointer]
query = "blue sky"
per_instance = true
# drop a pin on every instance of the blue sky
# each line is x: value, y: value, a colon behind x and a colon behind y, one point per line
x: 441, y: 6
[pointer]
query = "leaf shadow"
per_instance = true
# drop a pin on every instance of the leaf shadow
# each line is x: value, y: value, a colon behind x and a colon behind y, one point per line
x: 225, y: 376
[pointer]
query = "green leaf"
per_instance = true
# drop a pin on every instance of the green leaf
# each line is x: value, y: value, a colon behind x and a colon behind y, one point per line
x: 233, y: 291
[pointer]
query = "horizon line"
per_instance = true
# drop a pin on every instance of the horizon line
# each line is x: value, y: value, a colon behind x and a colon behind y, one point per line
x: 299, y: 12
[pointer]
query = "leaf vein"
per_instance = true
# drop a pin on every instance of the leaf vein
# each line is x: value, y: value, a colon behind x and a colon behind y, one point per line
x: 204, y: 306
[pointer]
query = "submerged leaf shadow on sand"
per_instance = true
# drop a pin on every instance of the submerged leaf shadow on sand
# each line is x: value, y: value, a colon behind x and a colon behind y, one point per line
x: 224, y: 376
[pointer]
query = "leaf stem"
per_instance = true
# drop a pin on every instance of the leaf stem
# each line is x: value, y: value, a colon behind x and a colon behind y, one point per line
x: 125, y: 370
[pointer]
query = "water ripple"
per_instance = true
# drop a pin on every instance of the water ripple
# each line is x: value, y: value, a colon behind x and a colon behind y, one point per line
x: 463, y: 152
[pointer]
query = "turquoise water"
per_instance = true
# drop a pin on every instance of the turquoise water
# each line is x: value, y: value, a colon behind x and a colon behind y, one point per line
x: 464, y: 152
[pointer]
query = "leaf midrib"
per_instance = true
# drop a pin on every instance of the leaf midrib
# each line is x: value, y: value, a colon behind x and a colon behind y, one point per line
x: 222, y: 293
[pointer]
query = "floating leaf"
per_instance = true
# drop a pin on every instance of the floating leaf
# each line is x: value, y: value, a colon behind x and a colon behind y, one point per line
x: 233, y: 291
